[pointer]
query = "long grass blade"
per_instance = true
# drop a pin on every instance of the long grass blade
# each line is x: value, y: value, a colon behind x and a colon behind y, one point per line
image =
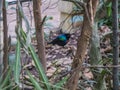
x: 34, y: 82
x: 5, y: 81
x: 38, y: 65
x: 17, y: 66
x: 60, y: 83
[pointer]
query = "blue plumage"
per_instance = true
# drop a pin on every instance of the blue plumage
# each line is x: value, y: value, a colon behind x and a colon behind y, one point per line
x: 61, y: 40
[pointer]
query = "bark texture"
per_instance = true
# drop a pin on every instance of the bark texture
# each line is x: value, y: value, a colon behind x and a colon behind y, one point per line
x: 1, y: 39
x: 115, y: 44
x: 5, y: 30
x: 83, y: 41
x: 39, y: 32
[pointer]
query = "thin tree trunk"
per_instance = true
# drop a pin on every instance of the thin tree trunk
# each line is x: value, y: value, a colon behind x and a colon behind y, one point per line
x: 5, y: 29
x: 39, y: 31
x: 95, y: 57
x: 83, y: 41
x: 1, y: 39
x: 115, y: 44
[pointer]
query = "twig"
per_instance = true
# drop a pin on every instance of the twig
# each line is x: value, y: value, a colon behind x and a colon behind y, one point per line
x: 78, y: 2
x: 86, y: 66
x: 101, y: 66
x: 43, y: 21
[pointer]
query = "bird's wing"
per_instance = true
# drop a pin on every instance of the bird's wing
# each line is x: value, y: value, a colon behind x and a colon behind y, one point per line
x: 62, y: 38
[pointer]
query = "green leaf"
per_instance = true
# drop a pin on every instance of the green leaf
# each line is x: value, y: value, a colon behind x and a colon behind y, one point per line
x: 17, y: 66
x: 28, y: 28
x: 109, y: 9
x: 39, y: 67
x: 34, y: 82
x: 60, y: 84
x: 5, y: 81
x: 24, y: 17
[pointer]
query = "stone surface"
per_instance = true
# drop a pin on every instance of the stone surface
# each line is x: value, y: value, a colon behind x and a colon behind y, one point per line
x: 49, y: 8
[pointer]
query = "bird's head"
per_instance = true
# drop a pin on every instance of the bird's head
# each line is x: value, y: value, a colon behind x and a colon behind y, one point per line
x: 67, y: 35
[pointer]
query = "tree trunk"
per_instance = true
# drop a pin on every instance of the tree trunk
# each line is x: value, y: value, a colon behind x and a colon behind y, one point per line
x: 5, y: 30
x: 95, y: 57
x: 115, y: 44
x: 39, y: 31
x: 83, y: 41
x: 1, y: 39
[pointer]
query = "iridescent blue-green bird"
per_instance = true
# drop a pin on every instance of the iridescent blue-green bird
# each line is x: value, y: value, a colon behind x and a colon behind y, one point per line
x: 60, y: 40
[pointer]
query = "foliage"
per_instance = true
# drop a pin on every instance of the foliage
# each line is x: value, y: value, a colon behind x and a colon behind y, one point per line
x: 24, y: 42
x: 43, y: 79
x: 42, y: 82
x: 4, y: 83
x: 107, y: 20
x: 17, y: 65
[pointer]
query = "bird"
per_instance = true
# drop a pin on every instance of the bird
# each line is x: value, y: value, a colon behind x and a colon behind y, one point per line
x: 60, y: 40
